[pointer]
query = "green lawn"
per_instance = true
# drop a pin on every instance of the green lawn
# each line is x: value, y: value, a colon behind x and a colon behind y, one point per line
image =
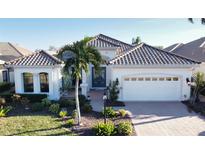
x: 33, y: 125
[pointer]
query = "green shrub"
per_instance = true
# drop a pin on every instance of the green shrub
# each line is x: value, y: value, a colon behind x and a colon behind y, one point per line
x: 37, y: 107
x: 5, y: 86
x: 31, y: 97
x: 82, y: 100
x: 110, y: 112
x: 2, y: 101
x: 4, y: 110
x: 16, y: 98
x: 122, y: 112
x: 113, y: 90
x: 102, y: 129
x: 74, y: 114
x: 87, y: 108
x: 54, y: 108
x: 124, y: 129
x: 46, y: 102
x: 34, y: 97
x: 66, y: 103
x: 70, y: 122
x: 25, y: 101
x: 63, y: 114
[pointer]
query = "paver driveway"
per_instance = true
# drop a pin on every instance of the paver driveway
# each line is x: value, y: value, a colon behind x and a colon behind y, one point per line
x: 165, y: 118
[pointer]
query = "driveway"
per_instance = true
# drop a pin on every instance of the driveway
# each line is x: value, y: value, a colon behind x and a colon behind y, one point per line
x: 165, y: 119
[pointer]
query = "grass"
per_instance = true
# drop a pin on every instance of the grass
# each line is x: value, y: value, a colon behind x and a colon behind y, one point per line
x: 32, y: 125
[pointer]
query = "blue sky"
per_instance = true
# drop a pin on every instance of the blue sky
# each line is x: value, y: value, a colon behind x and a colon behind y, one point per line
x: 41, y: 33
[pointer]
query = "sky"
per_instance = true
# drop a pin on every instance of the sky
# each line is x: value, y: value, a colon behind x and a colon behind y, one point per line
x: 42, y: 33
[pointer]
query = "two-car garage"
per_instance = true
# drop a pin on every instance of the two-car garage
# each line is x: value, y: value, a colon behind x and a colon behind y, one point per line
x: 151, y: 88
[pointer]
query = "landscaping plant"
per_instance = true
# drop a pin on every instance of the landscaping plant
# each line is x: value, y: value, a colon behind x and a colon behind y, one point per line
x: 54, y: 108
x: 109, y: 112
x: 124, y: 129
x: 122, y: 112
x: 4, y: 110
x: 82, y: 55
x: 113, y: 90
x: 46, y: 102
x: 63, y: 114
x: 102, y: 129
x: 2, y: 101
x: 70, y: 122
x: 87, y: 108
x: 37, y: 107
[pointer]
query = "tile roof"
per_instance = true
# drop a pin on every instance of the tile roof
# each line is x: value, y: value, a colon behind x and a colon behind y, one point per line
x: 103, y: 41
x: 144, y: 54
x: 173, y: 47
x: 40, y: 58
x: 194, y: 50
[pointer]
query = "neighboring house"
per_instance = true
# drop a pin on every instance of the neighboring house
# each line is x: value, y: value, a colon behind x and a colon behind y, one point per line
x: 9, y: 51
x: 194, y: 50
x: 145, y: 73
x: 38, y: 73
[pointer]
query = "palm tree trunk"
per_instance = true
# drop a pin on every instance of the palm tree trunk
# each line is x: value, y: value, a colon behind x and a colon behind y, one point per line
x: 77, y: 101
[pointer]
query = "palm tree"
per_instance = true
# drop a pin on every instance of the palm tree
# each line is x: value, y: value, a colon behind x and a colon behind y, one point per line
x: 136, y: 40
x: 81, y: 56
x: 202, y: 20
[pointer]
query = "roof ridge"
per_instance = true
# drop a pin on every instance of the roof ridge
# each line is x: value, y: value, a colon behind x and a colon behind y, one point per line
x: 51, y: 56
x: 171, y: 53
x: 112, y: 39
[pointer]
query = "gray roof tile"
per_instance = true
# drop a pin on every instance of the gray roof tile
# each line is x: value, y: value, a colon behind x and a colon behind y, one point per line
x: 40, y: 58
x: 103, y: 41
x: 144, y: 54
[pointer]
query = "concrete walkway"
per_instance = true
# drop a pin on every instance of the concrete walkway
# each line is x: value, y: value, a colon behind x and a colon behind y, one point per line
x: 165, y: 119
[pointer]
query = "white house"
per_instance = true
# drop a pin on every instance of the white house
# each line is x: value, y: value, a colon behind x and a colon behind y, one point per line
x: 38, y: 73
x: 145, y: 73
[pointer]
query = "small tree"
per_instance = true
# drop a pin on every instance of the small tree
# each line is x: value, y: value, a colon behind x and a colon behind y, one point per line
x: 136, y: 40
x: 198, y: 85
x: 113, y: 90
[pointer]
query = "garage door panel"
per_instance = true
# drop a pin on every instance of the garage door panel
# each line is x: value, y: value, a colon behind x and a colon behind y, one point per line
x: 151, y: 90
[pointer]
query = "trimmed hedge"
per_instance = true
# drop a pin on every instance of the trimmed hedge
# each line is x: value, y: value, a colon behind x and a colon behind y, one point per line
x: 4, y: 86
x: 31, y: 97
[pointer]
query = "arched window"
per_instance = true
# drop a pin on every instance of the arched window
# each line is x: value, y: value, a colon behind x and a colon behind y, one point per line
x: 28, y: 82
x: 44, y: 84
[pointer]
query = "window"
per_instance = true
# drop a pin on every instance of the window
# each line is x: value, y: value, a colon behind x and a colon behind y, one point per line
x: 169, y: 79
x: 126, y: 79
x: 28, y: 82
x: 154, y: 79
x: 147, y: 79
x: 140, y: 79
x: 161, y: 79
x: 5, y: 76
x: 44, y: 84
x: 175, y: 78
x: 133, y: 79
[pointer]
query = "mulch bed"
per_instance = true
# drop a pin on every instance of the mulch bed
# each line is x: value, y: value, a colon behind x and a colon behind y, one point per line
x: 91, y: 119
x: 198, y: 107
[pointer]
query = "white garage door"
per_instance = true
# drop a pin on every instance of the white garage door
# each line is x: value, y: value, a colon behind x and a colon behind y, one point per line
x: 151, y: 88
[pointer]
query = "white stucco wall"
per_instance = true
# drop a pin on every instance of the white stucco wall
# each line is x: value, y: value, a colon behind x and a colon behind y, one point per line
x: 183, y: 73
x: 54, y: 74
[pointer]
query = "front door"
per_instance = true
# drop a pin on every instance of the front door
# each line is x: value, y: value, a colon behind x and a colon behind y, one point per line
x: 99, y: 79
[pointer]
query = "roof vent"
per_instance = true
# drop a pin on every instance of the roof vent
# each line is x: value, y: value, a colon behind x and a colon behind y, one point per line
x: 202, y: 45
